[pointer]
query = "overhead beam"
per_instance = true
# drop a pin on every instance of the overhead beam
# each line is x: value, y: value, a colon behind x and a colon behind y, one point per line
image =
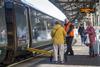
x: 66, y: 7
x: 72, y: 14
x: 87, y: 2
x: 71, y: 10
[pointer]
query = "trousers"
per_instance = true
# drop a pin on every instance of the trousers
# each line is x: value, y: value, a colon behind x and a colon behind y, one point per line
x: 58, y: 52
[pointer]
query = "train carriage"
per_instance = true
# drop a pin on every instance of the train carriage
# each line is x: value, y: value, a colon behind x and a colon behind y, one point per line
x: 21, y: 27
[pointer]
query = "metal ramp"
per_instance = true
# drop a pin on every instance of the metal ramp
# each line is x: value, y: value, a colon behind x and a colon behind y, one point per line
x: 40, y: 51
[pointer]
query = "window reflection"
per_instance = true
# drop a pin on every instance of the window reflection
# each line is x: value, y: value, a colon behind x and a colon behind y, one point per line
x: 3, y: 34
x: 21, y: 25
x: 35, y: 33
x: 41, y: 26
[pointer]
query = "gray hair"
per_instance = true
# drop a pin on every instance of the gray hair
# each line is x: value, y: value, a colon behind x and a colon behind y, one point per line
x: 57, y: 22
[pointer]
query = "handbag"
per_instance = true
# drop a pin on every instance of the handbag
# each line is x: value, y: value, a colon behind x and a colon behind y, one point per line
x: 87, y: 41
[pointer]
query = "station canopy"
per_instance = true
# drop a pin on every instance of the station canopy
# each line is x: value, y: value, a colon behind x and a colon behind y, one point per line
x: 76, y: 9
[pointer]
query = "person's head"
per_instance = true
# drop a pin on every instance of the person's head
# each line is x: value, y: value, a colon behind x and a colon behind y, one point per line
x: 66, y: 20
x: 88, y: 23
x: 67, y: 23
x: 81, y: 25
x: 58, y: 22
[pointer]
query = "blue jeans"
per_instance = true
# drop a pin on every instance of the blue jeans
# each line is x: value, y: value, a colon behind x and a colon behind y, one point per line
x: 83, y: 39
x: 91, y: 50
x: 69, y: 45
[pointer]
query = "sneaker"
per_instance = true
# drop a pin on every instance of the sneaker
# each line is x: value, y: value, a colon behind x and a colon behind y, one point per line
x: 91, y: 56
x: 96, y: 54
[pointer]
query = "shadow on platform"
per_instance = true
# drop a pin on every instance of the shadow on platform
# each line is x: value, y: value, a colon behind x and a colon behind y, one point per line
x: 82, y: 60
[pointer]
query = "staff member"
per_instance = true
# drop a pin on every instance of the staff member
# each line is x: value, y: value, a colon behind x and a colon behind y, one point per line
x: 69, y: 28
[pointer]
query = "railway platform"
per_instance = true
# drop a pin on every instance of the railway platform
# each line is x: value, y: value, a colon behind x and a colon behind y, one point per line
x: 80, y: 59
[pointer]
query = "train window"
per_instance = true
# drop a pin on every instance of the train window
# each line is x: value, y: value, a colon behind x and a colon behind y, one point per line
x: 40, y: 26
x: 22, y: 27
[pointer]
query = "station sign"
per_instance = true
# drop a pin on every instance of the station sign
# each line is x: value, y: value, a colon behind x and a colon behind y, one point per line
x: 87, y: 10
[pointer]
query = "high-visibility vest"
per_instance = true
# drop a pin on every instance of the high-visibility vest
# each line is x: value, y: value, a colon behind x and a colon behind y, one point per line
x: 67, y: 28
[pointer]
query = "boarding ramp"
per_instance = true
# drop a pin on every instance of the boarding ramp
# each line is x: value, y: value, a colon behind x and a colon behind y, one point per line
x: 40, y: 51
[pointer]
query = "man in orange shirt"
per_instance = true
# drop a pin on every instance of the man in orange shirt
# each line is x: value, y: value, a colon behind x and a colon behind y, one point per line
x: 69, y: 28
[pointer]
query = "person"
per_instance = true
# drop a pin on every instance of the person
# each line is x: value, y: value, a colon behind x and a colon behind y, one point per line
x: 75, y: 32
x: 36, y: 34
x: 81, y: 32
x: 69, y: 28
x: 58, y: 34
x: 92, y: 36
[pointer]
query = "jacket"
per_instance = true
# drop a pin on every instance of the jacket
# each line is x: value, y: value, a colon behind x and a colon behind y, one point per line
x: 81, y: 31
x: 58, y: 34
x: 67, y: 28
x: 92, y: 35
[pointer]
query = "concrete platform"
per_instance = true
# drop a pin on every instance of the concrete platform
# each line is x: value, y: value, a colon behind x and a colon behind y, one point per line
x: 80, y: 59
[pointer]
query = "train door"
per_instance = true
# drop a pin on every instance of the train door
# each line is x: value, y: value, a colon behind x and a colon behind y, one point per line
x: 3, y: 32
x: 22, y: 28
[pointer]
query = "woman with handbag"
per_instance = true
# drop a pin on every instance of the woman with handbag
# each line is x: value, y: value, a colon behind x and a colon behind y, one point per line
x: 92, y: 36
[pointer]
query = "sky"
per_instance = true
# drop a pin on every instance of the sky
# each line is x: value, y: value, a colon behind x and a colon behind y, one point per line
x: 46, y: 7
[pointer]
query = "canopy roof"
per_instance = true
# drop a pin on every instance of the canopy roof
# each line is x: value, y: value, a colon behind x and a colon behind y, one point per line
x: 71, y: 8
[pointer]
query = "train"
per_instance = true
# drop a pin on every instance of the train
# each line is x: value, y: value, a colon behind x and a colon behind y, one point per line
x: 21, y: 27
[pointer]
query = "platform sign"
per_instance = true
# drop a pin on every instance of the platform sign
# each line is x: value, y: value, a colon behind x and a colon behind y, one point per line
x: 87, y: 10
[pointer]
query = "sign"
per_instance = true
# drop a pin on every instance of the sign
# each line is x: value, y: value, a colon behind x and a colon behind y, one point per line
x: 87, y: 10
